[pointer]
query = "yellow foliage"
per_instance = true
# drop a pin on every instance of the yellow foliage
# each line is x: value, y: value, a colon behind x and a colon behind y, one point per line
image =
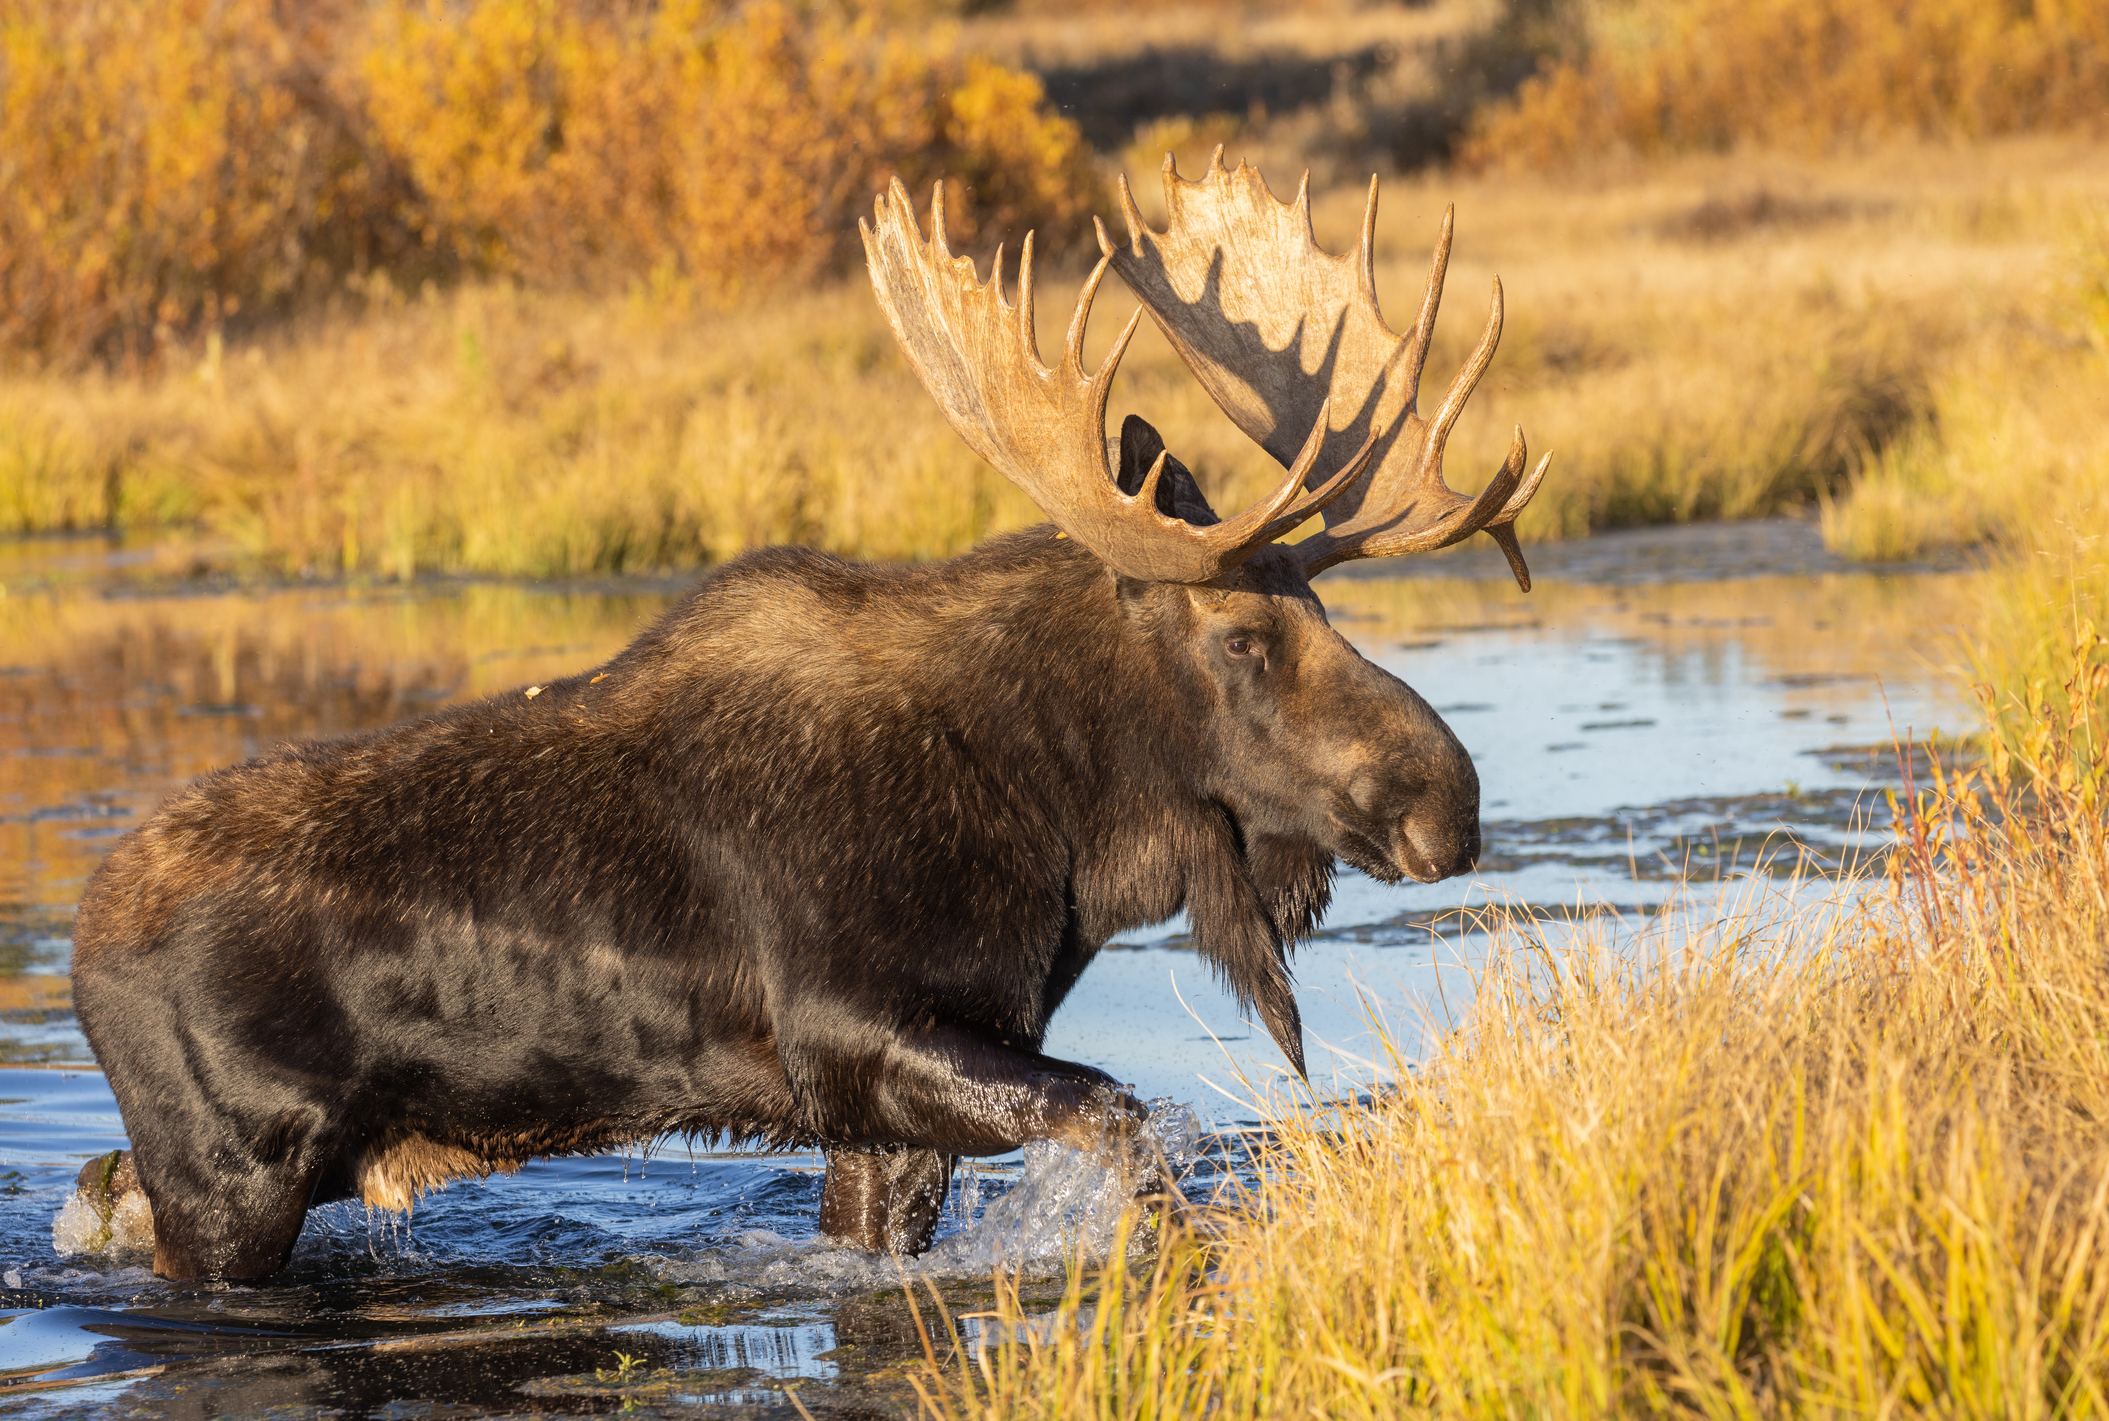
x: 165, y: 163
x: 153, y: 162
x: 1797, y: 1159
x: 1666, y: 75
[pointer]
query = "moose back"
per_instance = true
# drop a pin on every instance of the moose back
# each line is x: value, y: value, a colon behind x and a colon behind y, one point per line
x: 814, y: 860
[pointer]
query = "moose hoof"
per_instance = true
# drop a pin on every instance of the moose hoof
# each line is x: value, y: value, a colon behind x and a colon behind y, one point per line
x: 1100, y: 1120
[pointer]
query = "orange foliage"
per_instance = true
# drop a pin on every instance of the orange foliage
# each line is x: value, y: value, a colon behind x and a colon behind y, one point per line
x: 151, y: 157
x: 166, y: 162
x: 1666, y: 75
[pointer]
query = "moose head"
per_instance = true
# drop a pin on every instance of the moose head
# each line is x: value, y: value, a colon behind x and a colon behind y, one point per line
x: 1307, y: 740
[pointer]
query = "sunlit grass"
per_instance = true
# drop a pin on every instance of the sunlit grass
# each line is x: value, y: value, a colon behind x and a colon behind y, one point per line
x: 2013, y: 450
x: 1786, y: 1164
x: 2014, y: 461
x: 1681, y: 364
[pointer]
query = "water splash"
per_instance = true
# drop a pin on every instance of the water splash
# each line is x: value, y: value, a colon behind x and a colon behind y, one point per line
x: 80, y: 1228
x: 1066, y: 1203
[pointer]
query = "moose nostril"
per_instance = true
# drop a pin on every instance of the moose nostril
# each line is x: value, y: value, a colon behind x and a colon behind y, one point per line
x: 1416, y: 863
x: 1433, y: 852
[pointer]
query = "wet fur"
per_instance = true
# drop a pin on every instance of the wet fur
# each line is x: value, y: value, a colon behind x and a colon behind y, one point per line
x: 821, y: 843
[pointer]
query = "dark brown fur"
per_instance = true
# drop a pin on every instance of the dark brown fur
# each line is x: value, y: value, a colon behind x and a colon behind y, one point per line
x: 814, y: 860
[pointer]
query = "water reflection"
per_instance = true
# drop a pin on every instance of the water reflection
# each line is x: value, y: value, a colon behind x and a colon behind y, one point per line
x: 108, y: 702
x: 1629, y: 737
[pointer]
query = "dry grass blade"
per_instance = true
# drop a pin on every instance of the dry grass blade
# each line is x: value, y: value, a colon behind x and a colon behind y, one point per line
x: 1794, y: 1161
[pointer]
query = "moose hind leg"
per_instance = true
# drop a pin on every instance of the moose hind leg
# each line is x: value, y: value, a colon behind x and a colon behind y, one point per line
x: 884, y: 1198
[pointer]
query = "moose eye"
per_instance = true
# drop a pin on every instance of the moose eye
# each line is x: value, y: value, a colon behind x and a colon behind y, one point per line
x: 1239, y: 646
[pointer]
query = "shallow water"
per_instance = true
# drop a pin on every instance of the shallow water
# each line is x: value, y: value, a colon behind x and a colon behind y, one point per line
x: 1642, y: 725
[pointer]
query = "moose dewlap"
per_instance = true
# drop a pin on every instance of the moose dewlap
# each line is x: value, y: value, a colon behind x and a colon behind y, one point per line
x: 815, y: 858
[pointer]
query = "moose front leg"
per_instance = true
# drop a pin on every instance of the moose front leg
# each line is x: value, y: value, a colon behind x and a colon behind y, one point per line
x: 884, y: 1198
x: 950, y: 1089
x: 964, y: 1088
x: 898, y: 1114
x: 954, y: 1090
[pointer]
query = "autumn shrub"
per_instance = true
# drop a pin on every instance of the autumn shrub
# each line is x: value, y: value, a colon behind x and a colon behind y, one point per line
x: 568, y: 143
x: 167, y: 164
x: 1656, y: 76
x: 162, y: 163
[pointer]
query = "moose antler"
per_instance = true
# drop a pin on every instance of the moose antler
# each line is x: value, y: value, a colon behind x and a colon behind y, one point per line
x: 1045, y: 430
x: 1283, y: 333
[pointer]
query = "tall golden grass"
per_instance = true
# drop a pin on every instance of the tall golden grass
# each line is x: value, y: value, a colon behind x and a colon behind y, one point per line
x: 1687, y: 341
x: 1656, y: 76
x: 501, y: 431
x: 166, y: 165
x: 1783, y: 1164
x: 2014, y: 460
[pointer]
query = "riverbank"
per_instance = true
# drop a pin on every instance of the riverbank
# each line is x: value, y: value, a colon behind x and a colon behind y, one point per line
x: 1702, y: 338
x: 1786, y: 1163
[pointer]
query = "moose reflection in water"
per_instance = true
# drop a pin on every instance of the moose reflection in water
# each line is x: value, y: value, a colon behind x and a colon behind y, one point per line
x: 815, y: 858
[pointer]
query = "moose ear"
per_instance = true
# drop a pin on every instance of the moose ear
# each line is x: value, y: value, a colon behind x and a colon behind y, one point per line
x: 1178, y: 496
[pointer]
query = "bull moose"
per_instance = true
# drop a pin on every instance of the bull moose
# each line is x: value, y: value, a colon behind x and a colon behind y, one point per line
x: 814, y: 859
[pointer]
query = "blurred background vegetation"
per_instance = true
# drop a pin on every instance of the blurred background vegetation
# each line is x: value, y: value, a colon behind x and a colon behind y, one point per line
x: 170, y: 164
x: 544, y: 288
x: 550, y: 287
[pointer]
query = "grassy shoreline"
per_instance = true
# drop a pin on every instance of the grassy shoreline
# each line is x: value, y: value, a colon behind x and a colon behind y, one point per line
x: 1716, y: 337
x: 1773, y: 1164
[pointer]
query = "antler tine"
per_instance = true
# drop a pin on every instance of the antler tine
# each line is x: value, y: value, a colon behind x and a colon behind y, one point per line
x: 1501, y: 526
x: 1291, y: 504
x: 1366, y: 249
x: 1423, y: 330
x: 1073, y: 345
x: 1522, y: 495
x: 1045, y: 429
x: 1277, y: 329
x: 1462, y: 384
x: 1028, y: 333
x: 1454, y: 524
x: 1129, y: 213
